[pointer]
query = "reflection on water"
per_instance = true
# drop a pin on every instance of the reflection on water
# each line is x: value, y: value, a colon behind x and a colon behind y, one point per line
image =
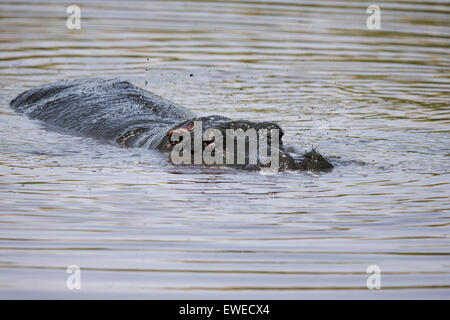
x: 374, y: 101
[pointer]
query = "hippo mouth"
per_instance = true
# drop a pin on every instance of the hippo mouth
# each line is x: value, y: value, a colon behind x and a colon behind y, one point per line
x: 242, y: 144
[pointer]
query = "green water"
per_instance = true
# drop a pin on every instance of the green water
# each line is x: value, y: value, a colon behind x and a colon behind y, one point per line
x: 376, y: 102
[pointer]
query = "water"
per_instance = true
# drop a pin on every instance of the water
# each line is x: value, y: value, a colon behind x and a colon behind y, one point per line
x: 376, y: 102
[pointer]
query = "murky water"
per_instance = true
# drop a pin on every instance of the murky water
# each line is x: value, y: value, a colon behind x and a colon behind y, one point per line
x: 376, y: 102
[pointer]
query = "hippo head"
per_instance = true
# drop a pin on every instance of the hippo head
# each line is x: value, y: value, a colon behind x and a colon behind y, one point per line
x: 217, y: 140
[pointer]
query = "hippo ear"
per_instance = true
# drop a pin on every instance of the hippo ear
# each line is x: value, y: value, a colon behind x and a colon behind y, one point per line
x: 281, y: 133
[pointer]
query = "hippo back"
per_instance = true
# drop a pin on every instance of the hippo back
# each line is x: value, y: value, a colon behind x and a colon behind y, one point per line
x: 99, y: 108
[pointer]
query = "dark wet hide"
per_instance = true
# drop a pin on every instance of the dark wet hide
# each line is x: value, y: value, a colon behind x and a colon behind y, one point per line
x: 313, y: 161
x: 119, y: 112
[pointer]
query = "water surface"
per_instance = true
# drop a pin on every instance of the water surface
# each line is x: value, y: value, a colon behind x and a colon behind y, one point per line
x: 376, y: 102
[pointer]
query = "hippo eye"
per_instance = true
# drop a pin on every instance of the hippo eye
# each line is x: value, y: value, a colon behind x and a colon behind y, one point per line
x: 172, y: 143
x: 180, y: 138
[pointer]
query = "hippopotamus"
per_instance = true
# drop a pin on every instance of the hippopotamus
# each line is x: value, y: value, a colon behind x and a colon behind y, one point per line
x: 117, y: 111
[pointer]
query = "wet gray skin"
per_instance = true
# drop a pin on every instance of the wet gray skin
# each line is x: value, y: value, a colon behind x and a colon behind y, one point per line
x: 118, y: 111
